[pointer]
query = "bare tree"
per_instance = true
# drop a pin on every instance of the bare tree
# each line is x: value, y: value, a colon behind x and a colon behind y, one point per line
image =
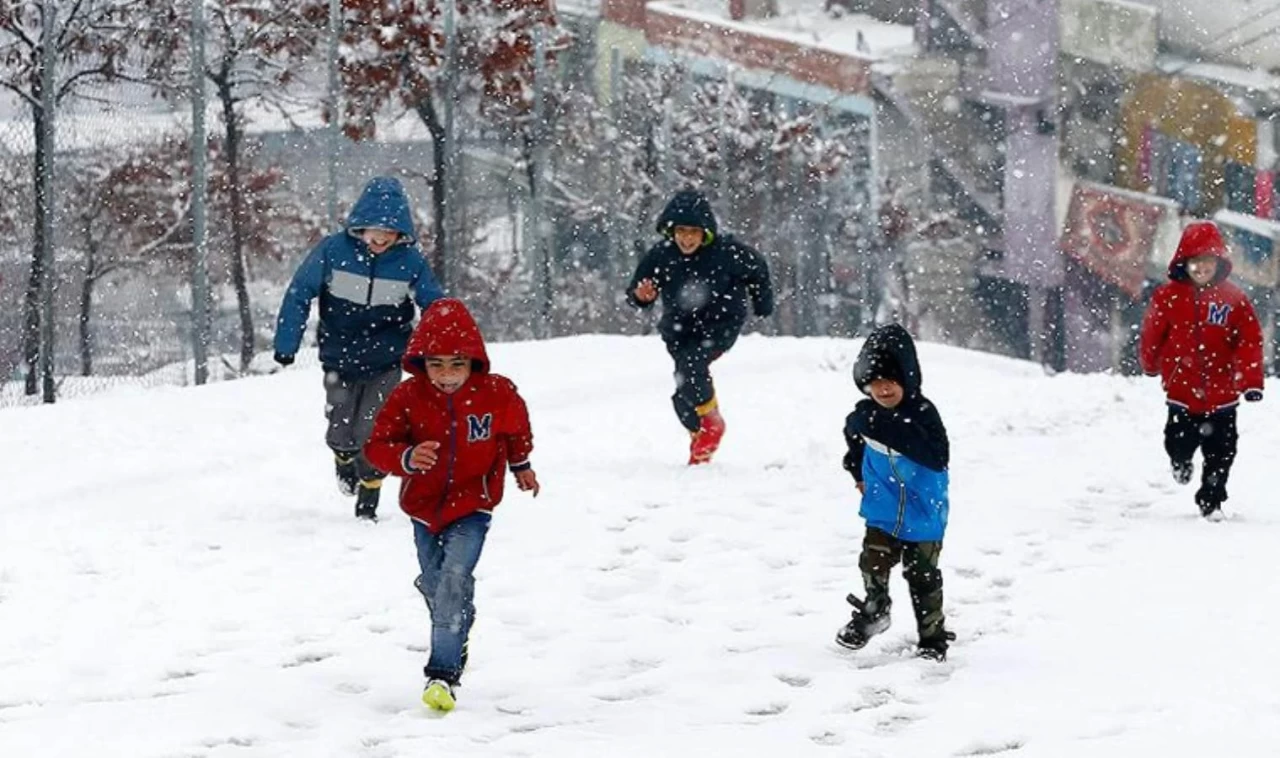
x: 395, y: 54
x: 260, y: 52
x: 96, y: 43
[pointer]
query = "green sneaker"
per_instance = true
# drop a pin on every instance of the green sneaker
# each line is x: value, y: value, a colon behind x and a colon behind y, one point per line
x: 438, y: 696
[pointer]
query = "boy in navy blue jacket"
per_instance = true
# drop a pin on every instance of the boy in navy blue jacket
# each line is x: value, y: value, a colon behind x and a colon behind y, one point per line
x: 368, y: 278
x: 705, y: 280
x: 898, y: 455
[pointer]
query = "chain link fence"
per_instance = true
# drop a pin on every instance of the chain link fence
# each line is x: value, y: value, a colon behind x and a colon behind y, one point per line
x: 547, y: 211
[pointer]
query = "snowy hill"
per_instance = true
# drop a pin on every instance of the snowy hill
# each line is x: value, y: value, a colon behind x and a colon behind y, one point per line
x: 179, y: 577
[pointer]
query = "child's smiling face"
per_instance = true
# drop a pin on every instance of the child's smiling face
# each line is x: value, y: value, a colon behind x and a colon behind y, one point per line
x: 448, y: 372
x: 688, y: 238
x: 886, y: 392
x: 1202, y: 269
x: 379, y: 240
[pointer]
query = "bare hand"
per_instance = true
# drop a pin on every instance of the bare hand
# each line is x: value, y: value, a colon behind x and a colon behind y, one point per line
x: 424, y: 455
x: 527, y: 480
x: 646, y: 291
x: 862, y: 488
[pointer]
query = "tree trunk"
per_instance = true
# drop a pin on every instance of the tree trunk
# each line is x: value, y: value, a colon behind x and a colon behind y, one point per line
x: 86, y: 320
x: 426, y: 111
x: 35, y: 281
x: 236, y: 189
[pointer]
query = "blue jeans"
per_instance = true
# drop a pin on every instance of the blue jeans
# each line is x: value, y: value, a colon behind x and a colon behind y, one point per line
x: 448, y: 562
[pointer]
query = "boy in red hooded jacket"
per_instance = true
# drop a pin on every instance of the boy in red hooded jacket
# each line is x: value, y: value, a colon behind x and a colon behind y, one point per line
x: 450, y: 432
x: 1202, y: 337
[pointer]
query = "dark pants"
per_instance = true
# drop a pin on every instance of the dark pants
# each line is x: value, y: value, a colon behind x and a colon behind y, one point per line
x: 693, y: 354
x: 1215, y: 435
x: 882, y: 551
x: 447, y: 562
x: 350, y: 405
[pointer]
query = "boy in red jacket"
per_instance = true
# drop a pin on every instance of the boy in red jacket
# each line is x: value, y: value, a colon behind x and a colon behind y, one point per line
x: 450, y: 432
x: 1202, y: 337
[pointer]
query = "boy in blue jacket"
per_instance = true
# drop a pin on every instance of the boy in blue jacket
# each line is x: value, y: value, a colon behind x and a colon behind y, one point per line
x: 368, y: 278
x: 898, y: 455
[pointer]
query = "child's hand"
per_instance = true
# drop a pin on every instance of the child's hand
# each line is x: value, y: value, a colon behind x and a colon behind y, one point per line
x: 862, y: 488
x: 527, y: 480
x: 424, y: 455
x: 646, y: 291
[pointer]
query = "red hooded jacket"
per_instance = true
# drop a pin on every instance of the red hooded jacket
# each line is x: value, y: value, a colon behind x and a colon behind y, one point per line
x: 483, y: 427
x: 1204, y: 342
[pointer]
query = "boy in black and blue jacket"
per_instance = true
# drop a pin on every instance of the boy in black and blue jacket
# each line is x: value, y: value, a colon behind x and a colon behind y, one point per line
x: 898, y: 455
x: 368, y: 278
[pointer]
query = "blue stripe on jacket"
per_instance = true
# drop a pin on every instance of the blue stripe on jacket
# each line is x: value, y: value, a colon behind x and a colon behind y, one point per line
x: 902, y: 497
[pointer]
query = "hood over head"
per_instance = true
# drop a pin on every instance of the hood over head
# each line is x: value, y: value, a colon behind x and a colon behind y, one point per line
x: 446, y: 328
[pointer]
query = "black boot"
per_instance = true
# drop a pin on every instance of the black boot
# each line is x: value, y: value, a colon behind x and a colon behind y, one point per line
x: 367, y: 499
x: 344, y: 468
x: 935, y: 648
x: 865, y: 624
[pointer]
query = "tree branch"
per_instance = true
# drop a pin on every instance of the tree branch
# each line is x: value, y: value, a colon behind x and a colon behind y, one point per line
x: 66, y: 22
x: 23, y: 94
x: 164, y: 237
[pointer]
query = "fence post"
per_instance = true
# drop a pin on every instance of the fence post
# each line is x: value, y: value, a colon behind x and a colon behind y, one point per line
x: 334, y: 131
x: 49, y: 103
x: 611, y: 202
x: 537, y: 185
x: 867, y: 318
x: 200, y: 326
x: 449, y: 267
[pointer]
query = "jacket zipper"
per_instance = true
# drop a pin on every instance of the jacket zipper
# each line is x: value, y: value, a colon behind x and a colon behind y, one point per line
x: 1199, y: 354
x: 453, y: 455
x: 902, y: 497
x: 368, y: 295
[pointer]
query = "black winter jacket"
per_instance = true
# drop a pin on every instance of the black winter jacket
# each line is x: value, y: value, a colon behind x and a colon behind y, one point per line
x: 707, y: 291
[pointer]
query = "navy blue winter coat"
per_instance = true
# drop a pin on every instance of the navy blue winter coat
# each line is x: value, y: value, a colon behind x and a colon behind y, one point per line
x: 707, y: 292
x: 366, y: 300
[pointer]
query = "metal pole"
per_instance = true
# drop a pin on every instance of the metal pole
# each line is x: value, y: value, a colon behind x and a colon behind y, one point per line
x: 611, y: 198
x: 48, y: 85
x: 334, y: 132
x: 542, y: 251
x: 664, y: 156
x: 200, y: 326
x: 447, y: 264
x: 874, y: 241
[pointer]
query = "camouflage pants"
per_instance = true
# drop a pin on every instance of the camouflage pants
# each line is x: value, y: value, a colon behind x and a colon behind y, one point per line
x: 882, y: 551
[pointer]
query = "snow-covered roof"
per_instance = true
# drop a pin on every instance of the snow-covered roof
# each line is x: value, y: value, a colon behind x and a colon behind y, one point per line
x: 1241, y: 31
x: 579, y: 7
x: 806, y: 23
x: 1242, y: 77
x: 1260, y: 226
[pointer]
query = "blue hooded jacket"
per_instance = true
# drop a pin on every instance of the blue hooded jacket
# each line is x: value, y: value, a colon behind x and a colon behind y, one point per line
x: 366, y: 300
x: 900, y: 454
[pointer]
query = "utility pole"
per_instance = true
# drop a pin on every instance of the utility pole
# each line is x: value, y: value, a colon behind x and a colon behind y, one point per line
x: 200, y: 322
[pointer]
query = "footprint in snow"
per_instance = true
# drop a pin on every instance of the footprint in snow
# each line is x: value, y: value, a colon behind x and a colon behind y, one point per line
x: 992, y: 748
x: 827, y: 738
x: 793, y: 680
x: 896, y: 722
x: 769, y: 709
x: 304, y: 659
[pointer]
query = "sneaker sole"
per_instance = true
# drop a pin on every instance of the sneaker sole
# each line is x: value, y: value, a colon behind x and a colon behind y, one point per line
x: 848, y: 646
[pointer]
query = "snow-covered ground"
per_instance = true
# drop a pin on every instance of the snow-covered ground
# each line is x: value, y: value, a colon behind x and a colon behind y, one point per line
x: 179, y: 577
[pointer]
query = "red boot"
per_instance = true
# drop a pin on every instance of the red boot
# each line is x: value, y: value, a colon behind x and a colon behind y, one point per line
x: 706, y: 440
